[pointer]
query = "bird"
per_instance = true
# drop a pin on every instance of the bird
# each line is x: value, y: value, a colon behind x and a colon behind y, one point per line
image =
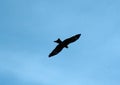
x: 63, y: 44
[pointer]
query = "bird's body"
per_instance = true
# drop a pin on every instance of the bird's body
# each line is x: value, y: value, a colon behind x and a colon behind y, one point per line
x: 63, y: 44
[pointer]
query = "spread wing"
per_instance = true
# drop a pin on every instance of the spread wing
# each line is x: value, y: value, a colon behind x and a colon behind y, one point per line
x: 72, y: 39
x: 57, y: 49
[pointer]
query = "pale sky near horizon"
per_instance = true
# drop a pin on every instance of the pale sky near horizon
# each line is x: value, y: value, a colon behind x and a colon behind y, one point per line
x: 29, y: 27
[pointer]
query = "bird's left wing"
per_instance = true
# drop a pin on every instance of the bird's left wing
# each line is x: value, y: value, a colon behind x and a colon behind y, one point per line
x: 57, y: 49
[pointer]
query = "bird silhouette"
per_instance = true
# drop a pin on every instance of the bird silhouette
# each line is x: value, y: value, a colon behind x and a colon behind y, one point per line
x: 62, y: 44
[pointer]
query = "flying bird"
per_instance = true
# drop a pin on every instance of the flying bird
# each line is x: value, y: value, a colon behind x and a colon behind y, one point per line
x: 62, y: 44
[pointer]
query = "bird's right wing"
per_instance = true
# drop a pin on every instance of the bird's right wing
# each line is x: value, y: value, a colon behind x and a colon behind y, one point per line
x: 72, y: 39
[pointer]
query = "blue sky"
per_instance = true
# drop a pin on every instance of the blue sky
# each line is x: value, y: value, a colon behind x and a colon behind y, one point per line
x: 29, y: 27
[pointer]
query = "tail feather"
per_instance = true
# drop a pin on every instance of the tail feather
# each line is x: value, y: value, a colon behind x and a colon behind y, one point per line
x: 58, y: 40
